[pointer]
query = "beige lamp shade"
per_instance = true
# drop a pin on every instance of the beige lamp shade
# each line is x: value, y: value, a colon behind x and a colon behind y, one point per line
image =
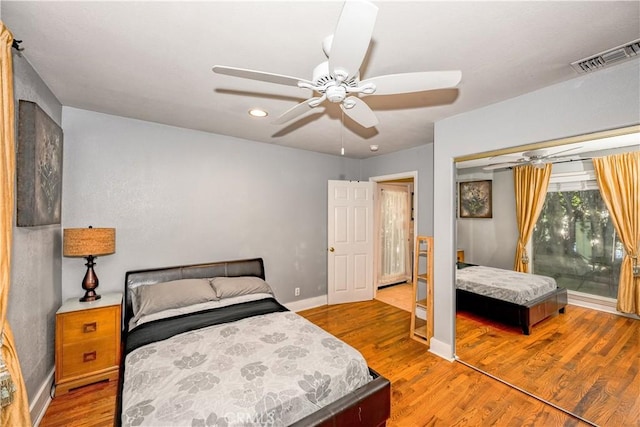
x: 82, y: 242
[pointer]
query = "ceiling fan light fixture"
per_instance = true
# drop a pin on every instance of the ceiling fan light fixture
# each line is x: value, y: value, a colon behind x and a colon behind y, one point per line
x: 336, y: 94
x: 257, y: 112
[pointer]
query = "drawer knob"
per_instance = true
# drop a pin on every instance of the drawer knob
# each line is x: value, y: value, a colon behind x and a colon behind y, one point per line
x: 88, y: 357
x: 89, y: 327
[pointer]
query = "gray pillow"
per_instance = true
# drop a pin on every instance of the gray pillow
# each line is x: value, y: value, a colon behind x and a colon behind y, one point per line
x: 227, y: 287
x: 173, y: 294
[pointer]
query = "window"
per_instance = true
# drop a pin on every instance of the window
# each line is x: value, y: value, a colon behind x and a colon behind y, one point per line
x: 574, y: 240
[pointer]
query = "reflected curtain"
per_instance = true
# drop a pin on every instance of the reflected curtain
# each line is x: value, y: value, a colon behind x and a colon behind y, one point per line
x: 394, y: 243
x: 531, y: 185
x: 618, y: 177
x: 13, y: 395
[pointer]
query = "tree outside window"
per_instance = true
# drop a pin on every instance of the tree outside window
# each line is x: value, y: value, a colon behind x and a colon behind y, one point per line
x: 575, y: 242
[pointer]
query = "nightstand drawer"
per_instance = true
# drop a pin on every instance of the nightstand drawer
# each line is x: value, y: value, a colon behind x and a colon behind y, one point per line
x: 85, y: 325
x: 88, y: 356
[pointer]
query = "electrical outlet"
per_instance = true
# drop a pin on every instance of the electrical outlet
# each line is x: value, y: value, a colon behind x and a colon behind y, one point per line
x: 296, y: 292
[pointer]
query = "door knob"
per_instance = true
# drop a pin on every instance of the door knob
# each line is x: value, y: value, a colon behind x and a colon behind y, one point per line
x: 331, y: 249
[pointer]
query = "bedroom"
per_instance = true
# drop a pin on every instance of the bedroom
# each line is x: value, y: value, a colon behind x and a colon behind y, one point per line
x: 116, y: 175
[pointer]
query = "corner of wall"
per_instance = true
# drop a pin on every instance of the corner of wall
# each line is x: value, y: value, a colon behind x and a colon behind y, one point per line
x: 441, y: 349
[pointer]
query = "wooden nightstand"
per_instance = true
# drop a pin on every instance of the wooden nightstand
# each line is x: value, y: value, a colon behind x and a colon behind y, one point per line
x: 460, y: 255
x: 87, y: 342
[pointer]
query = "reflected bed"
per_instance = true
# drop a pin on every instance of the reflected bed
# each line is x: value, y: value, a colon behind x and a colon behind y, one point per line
x: 511, y: 297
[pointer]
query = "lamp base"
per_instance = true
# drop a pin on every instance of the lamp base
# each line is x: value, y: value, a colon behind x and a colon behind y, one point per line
x: 90, y: 281
x: 90, y: 296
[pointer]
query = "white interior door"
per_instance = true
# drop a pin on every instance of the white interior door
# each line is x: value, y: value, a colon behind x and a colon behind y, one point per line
x: 350, y: 241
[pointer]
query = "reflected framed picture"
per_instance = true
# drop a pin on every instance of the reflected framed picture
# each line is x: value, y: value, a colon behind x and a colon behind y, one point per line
x: 38, y: 167
x: 475, y: 199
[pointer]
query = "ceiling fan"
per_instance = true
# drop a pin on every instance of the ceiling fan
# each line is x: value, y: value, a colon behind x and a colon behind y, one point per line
x: 537, y: 158
x: 338, y: 79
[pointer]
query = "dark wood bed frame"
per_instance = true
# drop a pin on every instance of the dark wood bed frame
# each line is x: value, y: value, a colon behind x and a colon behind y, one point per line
x: 523, y: 315
x: 369, y: 405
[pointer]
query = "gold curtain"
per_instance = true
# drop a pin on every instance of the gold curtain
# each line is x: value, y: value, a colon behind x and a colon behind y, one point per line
x: 619, y: 181
x: 531, y: 185
x: 12, y: 391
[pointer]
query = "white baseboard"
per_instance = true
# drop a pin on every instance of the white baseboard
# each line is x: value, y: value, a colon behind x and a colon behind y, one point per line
x: 596, y: 303
x: 441, y: 349
x: 41, y: 400
x: 306, y: 304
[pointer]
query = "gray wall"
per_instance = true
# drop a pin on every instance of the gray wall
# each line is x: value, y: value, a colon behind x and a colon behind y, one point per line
x: 606, y: 99
x: 418, y: 159
x: 35, y: 292
x: 491, y: 241
x: 180, y: 196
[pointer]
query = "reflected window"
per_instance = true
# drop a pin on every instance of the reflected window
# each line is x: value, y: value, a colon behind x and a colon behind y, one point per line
x: 575, y: 241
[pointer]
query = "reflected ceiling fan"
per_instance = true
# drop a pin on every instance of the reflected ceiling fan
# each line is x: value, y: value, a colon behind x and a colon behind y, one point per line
x: 537, y: 158
x: 338, y: 79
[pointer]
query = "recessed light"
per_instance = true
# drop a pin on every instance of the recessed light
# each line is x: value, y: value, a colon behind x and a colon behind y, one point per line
x: 256, y: 112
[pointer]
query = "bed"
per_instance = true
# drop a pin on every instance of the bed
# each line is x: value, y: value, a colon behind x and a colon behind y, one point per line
x: 221, y: 351
x: 511, y: 297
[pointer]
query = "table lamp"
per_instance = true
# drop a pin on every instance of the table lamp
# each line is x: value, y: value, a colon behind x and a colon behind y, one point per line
x: 89, y: 243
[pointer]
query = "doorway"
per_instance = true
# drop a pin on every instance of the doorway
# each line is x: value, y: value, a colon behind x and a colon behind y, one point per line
x: 394, y: 232
x: 394, y: 229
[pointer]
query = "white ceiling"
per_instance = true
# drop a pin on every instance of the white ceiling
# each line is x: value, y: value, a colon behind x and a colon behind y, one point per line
x: 152, y: 60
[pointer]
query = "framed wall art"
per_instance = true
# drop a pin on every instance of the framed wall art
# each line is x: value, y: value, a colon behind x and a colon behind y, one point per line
x: 475, y: 199
x: 38, y: 167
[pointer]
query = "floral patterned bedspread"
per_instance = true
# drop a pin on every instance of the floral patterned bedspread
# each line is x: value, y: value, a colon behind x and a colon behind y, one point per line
x: 267, y: 370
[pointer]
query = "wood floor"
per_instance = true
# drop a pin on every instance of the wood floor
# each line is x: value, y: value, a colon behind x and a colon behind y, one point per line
x: 426, y: 390
x: 597, y: 380
x: 585, y: 361
x: 397, y: 295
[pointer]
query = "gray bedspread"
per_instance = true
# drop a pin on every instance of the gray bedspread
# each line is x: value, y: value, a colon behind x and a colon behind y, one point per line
x: 270, y: 369
x: 504, y: 285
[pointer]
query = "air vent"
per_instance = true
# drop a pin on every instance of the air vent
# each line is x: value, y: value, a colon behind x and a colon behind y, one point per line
x: 608, y: 58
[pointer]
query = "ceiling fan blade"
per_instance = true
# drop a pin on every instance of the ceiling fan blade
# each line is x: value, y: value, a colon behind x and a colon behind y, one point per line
x: 351, y: 37
x: 359, y: 112
x: 295, y: 111
x: 259, y: 75
x: 555, y: 153
x: 501, y: 165
x: 506, y: 158
x: 563, y: 159
x: 413, y: 82
x: 545, y: 153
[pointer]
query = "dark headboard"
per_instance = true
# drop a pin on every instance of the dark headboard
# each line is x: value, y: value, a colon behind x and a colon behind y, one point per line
x: 461, y: 265
x: 243, y: 267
